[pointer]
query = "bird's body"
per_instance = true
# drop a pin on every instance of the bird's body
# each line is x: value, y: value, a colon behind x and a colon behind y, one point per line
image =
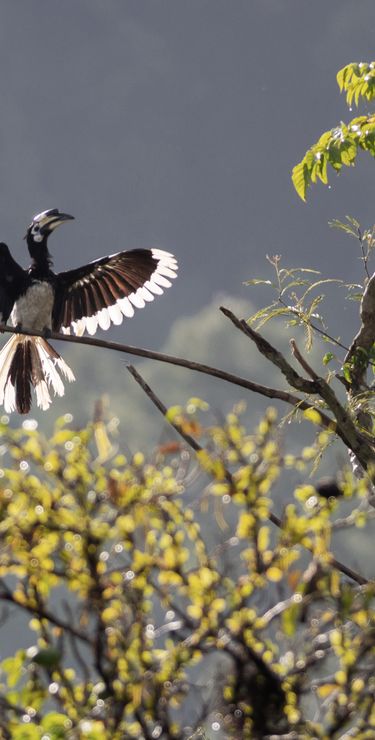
x: 33, y: 309
x: 38, y: 299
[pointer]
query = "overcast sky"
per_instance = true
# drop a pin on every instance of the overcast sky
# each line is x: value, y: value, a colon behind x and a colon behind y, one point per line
x: 175, y: 123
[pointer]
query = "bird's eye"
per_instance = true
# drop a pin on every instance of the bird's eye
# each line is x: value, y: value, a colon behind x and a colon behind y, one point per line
x: 36, y: 229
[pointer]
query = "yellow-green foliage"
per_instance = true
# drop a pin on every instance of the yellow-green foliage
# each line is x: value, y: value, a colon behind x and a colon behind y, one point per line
x: 339, y: 146
x: 157, y: 613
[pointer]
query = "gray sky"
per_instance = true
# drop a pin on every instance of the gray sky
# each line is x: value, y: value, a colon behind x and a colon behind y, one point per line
x: 176, y: 123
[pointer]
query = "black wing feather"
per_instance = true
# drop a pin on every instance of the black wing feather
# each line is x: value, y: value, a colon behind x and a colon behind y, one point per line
x: 13, y: 281
x: 84, y: 292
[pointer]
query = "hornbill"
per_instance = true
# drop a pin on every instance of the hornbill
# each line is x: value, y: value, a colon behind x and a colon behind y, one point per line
x: 97, y: 294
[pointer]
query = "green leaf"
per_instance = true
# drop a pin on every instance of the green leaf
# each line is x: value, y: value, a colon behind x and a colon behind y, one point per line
x: 13, y: 667
x: 341, y: 78
x: 337, y: 148
x: 357, y: 80
x: 289, y: 620
x: 56, y: 725
x: 352, y: 227
x: 328, y: 357
x: 292, y: 270
x: 347, y: 372
x: 317, y: 284
x: 26, y: 732
x: 48, y: 657
x: 355, y: 297
x: 262, y: 312
x: 272, y: 315
x: 257, y: 281
x: 322, y: 170
x: 293, y: 284
x: 301, y: 179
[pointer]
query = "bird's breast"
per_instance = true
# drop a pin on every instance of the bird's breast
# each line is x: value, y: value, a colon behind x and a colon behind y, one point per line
x: 33, y: 309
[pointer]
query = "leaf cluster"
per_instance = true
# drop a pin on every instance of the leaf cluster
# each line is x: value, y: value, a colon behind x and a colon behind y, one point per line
x: 339, y: 146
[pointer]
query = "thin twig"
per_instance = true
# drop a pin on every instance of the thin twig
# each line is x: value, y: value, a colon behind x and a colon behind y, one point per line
x: 42, y: 613
x: 74, y: 647
x: 302, y: 361
x: 163, y: 409
x: 364, y: 255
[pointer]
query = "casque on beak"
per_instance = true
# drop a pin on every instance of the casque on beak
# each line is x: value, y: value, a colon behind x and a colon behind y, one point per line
x: 56, y: 220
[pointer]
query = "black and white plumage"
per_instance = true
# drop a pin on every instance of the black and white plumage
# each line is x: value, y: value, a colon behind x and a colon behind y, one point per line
x: 94, y: 295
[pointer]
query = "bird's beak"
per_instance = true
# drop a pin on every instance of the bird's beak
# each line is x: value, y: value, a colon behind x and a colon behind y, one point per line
x: 47, y: 221
x: 53, y: 221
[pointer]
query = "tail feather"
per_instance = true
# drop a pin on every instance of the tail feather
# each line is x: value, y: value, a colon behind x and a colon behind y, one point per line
x: 26, y: 362
x: 48, y: 364
x: 7, y: 391
x: 20, y: 375
x: 43, y: 398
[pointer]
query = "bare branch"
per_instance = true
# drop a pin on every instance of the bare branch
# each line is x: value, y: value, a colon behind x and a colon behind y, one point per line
x: 272, y: 354
x: 345, y: 426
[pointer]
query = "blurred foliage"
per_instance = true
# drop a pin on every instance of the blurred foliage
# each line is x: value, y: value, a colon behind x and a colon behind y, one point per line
x: 339, y: 147
x: 146, y: 628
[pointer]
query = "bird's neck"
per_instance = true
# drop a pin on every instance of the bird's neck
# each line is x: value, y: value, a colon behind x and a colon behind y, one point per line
x: 41, y: 260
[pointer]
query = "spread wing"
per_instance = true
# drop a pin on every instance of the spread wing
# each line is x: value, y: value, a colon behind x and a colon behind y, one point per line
x: 109, y: 288
x: 13, y: 278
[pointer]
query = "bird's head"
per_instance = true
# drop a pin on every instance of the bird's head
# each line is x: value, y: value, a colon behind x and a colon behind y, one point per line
x: 44, y: 223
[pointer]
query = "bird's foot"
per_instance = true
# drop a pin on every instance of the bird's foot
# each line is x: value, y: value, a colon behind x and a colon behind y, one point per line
x: 47, y: 332
x: 2, y: 327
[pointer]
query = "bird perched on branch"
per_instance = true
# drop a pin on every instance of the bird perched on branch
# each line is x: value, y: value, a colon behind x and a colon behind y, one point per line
x: 38, y: 299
